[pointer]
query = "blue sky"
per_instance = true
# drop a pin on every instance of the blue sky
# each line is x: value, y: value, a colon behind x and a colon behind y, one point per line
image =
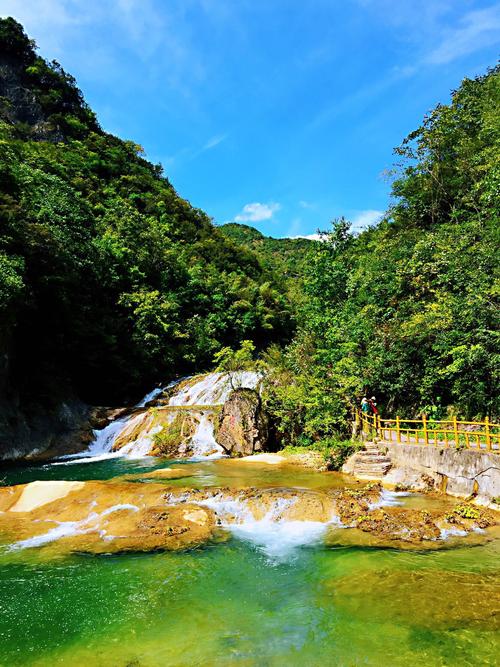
x: 279, y: 113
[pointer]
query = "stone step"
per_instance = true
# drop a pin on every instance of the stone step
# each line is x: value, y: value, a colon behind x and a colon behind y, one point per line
x: 370, y: 475
x: 383, y: 468
x: 371, y: 456
x: 372, y: 461
x: 372, y: 464
x: 373, y: 448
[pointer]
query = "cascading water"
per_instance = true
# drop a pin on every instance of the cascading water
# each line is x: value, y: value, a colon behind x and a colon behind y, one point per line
x: 270, y: 527
x: 203, y: 443
x: 101, y: 447
x: 214, y: 388
x: 70, y: 528
x: 210, y: 390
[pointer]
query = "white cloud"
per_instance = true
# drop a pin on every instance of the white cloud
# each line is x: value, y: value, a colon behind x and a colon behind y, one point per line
x: 478, y: 29
x: 214, y: 141
x: 366, y: 218
x: 256, y: 212
x: 307, y: 205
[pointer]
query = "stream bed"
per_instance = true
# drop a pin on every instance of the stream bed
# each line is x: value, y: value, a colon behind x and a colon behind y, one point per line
x: 242, y: 601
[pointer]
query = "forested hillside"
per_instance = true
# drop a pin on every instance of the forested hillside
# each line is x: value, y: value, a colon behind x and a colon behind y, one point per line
x: 109, y: 280
x: 286, y: 259
x: 408, y: 310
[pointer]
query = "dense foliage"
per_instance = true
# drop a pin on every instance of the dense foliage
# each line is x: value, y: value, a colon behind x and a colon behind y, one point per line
x: 286, y: 259
x: 407, y: 310
x: 108, y: 279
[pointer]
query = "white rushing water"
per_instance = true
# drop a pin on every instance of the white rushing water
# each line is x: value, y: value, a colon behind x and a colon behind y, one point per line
x: 70, y: 528
x: 214, y: 388
x: 389, y: 499
x: 203, y: 443
x: 276, y: 536
x: 152, y: 395
x: 211, y: 389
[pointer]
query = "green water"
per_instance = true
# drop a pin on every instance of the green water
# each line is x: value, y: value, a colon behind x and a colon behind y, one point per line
x: 228, y: 603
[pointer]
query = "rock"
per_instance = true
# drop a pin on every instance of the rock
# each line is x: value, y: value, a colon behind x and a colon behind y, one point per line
x: 36, y: 494
x: 117, y: 516
x: 166, y: 473
x: 37, y: 432
x: 100, y: 517
x: 243, y: 426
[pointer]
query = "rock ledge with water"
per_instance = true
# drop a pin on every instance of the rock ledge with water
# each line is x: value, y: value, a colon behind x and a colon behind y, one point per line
x: 118, y: 516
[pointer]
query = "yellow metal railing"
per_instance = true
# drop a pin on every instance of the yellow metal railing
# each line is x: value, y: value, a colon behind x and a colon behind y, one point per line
x: 478, y: 436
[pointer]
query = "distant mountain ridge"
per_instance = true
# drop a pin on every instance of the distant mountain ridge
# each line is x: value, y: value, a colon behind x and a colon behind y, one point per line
x: 285, y: 256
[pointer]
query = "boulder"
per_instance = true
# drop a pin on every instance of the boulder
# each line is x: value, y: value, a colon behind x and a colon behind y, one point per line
x: 243, y: 426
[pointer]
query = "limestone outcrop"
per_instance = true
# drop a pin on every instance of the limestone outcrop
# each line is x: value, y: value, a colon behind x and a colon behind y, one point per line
x: 243, y: 427
x: 124, y: 515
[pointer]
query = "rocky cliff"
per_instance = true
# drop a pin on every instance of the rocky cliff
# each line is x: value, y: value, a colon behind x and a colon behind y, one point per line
x: 243, y: 426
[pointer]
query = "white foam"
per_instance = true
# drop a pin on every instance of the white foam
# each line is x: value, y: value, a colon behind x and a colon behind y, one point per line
x: 64, y: 529
x: 100, y: 448
x: 389, y: 499
x: 70, y: 528
x: 279, y: 540
x: 452, y: 532
x: 149, y: 397
x: 203, y: 443
x: 275, y: 536
x: 214, y: 388
x: 141, y: 447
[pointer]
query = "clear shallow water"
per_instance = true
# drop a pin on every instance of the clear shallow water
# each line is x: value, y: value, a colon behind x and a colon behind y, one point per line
x: 230, y: 603
x: 204, y: 473
x: 226, y: 604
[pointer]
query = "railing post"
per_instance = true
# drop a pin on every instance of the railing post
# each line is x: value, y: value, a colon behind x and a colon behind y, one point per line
x: 426, y: 433
x: 487, y: 431
x: 398, y: 430
x: 455, y: 430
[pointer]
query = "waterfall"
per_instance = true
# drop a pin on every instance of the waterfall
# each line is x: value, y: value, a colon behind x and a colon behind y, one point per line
x: 214, y: 388
x: 270, y: 527
x: 209, y: 390
x: 101, y: 446
x: 203, y: 443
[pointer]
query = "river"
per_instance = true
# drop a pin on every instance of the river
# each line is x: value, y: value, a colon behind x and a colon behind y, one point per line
x: 266, y: 594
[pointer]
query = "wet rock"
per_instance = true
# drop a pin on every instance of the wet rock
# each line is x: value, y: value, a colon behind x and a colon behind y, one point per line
x: 35, y: 432
x: 114, y: 516
x: 352, y: 503
x: 100, y: 517
x: 243, y: 426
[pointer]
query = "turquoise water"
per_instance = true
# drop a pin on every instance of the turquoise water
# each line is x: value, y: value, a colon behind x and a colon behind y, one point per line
x: 229, y: 603
x: 105, y: 469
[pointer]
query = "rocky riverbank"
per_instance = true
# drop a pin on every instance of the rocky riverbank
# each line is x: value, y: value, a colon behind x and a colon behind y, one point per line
x: 121, y: 516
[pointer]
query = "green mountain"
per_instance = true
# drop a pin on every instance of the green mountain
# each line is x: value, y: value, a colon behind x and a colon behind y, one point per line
x: 109, y: 280
x: 407, y: 310
x: 286, y: 259
x: 284, y: 256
